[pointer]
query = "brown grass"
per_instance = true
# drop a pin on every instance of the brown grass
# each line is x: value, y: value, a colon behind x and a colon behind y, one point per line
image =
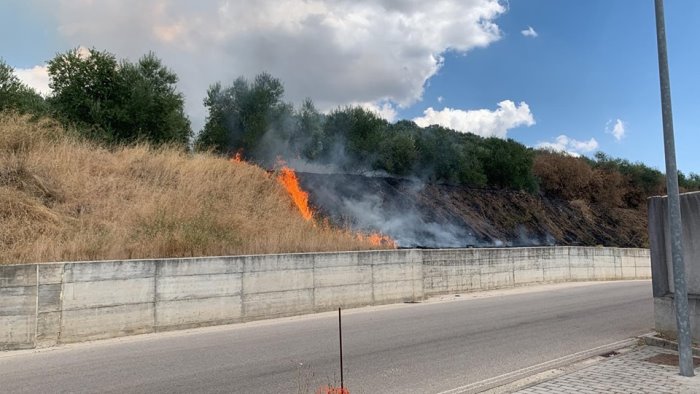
x: 63, y: 199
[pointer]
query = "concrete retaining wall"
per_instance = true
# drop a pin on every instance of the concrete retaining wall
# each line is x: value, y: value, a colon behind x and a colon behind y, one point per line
x: 44, y: 305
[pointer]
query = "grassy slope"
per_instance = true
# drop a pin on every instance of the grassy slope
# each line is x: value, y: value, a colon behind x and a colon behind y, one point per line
x: 62, y: 199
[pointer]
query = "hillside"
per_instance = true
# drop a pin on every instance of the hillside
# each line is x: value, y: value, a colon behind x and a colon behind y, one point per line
x: 63, y: 198
x: 417, y: 214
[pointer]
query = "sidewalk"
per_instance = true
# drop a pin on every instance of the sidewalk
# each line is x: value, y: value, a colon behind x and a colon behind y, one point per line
x: 631, y: 372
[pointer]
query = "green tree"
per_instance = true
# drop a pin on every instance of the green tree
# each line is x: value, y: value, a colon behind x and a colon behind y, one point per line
x: 309, y: 137
x: 154, y: 108
x: 240, y: 115
x: 508, y: 164
x: 14, y: 95
x: 118, y: 101
x: 354, y: 133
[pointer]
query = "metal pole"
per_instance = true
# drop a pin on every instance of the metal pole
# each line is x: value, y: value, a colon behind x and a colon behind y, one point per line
x: 680, y: 296
x: 340, y: 336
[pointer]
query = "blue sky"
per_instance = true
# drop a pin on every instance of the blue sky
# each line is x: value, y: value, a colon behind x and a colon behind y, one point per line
x: 591, y: 64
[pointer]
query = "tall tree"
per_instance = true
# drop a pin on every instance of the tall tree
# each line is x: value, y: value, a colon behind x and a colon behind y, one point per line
x: 241, y: 114
x: 118, y: 101
x: 17, y: 96
x: 155, y: 108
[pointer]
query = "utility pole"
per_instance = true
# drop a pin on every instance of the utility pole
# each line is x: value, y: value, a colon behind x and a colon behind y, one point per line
x: 680, y: 291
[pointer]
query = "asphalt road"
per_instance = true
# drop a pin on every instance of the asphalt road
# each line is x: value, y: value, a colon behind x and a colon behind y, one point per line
x: 408, y: 348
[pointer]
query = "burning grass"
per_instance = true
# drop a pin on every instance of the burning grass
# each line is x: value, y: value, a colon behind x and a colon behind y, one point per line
x: 63, y: 199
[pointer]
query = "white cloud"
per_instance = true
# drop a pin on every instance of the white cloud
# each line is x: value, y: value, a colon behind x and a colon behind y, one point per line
x: 440, y: 98
x: 617, y: 129
x: 336, y: 52
x: 529, y: 32
x: 482, y: 122
x: 385, y: 110
x: 36, y: 77
x: 570, y: 146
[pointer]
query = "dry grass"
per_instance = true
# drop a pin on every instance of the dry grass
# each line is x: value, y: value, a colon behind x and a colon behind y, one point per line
x: 63, y: 199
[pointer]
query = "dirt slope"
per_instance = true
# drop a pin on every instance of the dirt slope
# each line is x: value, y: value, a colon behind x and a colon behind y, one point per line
x: 433, y: 215
x: 63, y: 199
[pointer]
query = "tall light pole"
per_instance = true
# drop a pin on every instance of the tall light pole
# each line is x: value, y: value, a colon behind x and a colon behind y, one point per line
x: 680, y: 292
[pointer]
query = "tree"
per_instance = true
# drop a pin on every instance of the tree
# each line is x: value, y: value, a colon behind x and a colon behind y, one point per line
x: 397, y: 153
x: 562, y: 175
x: 508, y: 164
x: 118, y: 101
x: 14, y: 95
x: 241, y: 114
x: 352, y: 136
x: 155, y: 109
x: 308, y: 139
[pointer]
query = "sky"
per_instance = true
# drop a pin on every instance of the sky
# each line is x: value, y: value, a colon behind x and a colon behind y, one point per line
x: 576, y: 76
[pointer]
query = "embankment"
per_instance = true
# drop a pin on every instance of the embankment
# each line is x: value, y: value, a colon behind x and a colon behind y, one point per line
x: 43, y: 305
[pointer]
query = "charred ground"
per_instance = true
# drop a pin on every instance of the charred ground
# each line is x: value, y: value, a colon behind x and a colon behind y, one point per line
x: 430, y: 215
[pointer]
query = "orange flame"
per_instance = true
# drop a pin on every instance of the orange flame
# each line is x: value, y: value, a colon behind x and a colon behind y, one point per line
x: 238, y: 157
x: 288, y: 179
x: 378, y: 239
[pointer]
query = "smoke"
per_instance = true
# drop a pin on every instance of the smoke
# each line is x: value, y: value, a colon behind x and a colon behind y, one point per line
x: 413, y: 213
x: 336, y: 157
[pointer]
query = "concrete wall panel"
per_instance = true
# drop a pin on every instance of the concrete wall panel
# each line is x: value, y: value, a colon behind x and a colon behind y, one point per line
x: 326, y: 298
x: 48, y: 329
x: 278, y: 262
x: 17, y: 300
x: 269, y: 281
x: 197, y: 312
x: 108, y: 270
x: 277, y: 304
x: 172, y: 288
x: 79, y: 295
x: 17, y: 275
x: 405, y: 290
x: 17, y: 332
x: 200, y: 266
x: 329, y: 260
x: 342, y: 276
x: 50, y: 273
x: 107, y: 322
x: 49, y: 298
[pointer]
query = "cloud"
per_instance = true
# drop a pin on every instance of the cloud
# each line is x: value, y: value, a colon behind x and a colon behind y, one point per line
x: 385, y: 110
x: 440, y: 98
x: 529, y: 32
x: 482, y: 122
x: 36, y: 78
x: 570, y: 146
x: 617, y: 129
x: 336, y: 52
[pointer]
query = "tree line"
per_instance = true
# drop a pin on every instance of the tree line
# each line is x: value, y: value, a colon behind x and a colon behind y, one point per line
x: 121, y: 102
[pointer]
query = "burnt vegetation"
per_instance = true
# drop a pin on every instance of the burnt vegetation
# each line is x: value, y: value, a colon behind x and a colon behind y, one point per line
x: 468, y: 189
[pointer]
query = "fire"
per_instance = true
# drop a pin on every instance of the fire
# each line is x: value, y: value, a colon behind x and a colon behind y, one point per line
x: 378, y: 239
x: 238, y: 157
x: 288, y: 178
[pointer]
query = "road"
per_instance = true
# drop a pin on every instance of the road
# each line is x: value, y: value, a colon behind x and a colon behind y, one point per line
x: 407, y: 348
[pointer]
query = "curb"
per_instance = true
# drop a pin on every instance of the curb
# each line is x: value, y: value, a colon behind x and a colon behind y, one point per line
x: 652, y: 340
x: 520, y: 374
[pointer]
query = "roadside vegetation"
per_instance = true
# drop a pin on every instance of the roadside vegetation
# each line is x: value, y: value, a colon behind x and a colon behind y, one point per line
x: 64, y: 198
x: 108, y: 166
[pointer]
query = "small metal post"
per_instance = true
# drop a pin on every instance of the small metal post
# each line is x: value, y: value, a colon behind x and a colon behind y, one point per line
x: 680, y: 296
x: 340, y: 336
